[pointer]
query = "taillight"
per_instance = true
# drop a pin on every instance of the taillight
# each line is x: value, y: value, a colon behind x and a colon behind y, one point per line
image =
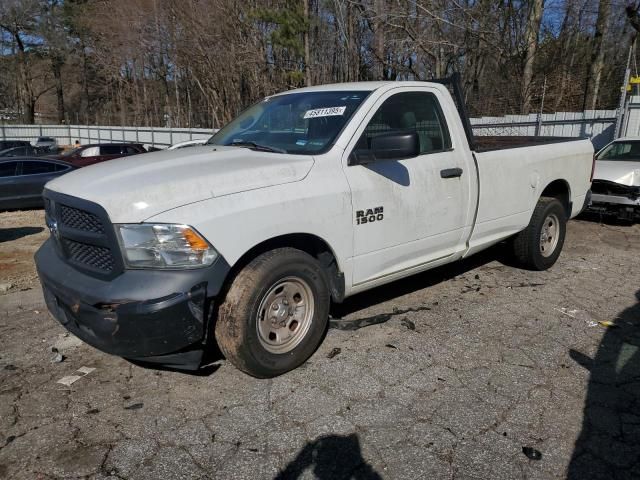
x: 593, y: 167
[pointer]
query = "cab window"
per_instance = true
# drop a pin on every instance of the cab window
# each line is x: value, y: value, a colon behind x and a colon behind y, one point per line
x: 410, y: 112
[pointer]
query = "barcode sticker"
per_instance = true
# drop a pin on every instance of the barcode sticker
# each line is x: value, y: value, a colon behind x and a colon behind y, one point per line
x: 325, y: 112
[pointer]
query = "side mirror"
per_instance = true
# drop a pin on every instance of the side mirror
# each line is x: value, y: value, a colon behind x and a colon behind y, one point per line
x: 388, y: 146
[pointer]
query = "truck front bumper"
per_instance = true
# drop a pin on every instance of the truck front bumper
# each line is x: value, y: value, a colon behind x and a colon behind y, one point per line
x: 145, y: 315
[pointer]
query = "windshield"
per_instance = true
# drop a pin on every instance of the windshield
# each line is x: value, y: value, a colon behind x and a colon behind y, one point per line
x: 624, y: 151
x: 302, y: 123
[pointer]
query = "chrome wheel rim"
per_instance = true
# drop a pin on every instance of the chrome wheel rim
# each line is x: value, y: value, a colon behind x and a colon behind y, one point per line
x: 285, y: 315
x: 549, y: 235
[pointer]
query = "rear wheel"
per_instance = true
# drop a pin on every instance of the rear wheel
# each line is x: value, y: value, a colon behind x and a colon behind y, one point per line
x: 539, y: 245
x: 274, y: 314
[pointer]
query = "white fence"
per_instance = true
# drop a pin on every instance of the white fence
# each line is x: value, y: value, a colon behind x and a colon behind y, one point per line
x: 598, y: 125
x: 68, y: 134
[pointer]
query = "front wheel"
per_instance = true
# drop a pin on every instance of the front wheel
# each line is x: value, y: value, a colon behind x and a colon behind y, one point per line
x: 274, y: 314
x: 539, y: 245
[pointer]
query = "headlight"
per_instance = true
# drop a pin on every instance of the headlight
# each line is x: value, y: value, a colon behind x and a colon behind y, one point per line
x: 164, y: 246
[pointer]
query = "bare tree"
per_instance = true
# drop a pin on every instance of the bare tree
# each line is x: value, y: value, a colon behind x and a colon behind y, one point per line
x: 531, y: 45
x: 596, y: 65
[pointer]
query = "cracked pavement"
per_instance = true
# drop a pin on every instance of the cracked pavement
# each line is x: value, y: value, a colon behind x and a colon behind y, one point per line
x: 456, y: 371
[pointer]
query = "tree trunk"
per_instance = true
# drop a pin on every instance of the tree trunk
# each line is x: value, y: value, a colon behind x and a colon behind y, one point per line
x: 307, y: 56
x: 597, y: 56
x: 531, y: 38
x: 85, y: 83
x: 378, y: 40
x: 56, y: 66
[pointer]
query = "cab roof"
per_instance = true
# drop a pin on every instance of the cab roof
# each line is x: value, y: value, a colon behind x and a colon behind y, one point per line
x: 357, y: 86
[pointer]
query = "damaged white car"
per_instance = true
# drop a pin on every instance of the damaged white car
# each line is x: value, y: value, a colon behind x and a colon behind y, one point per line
x: 616, y: 180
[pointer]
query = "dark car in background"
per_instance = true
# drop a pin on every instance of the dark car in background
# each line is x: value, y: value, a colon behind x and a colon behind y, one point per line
x: 6, y: 144
x: 23, y: 151
x: 100, y: 152
x: 22, y: 180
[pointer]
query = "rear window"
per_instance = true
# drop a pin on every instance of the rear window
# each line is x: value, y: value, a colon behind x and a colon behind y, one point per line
x: 90, y: 152
x: 8, y: 169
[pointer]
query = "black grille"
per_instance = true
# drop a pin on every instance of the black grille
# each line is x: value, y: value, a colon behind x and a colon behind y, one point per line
x: 91, y: 255
x: 83, y: 235
x: 80, y: 220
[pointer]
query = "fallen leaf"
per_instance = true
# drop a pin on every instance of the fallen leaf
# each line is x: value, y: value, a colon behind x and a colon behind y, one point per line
x: 607, y: 324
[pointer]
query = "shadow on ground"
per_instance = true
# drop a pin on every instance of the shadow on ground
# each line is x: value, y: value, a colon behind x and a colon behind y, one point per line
x: 9, y: 234
x: 501, y: 253
x: 609, y: 444
x: 333, y: 457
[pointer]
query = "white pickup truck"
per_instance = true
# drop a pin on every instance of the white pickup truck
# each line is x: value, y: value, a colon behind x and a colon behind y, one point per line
x: 307, y: 197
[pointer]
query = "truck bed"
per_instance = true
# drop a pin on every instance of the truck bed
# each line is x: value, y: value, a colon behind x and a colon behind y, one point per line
x: 511, y: 182
x: 498, y: 142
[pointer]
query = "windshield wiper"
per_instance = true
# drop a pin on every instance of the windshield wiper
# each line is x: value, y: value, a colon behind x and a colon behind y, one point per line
x: 256, y: 146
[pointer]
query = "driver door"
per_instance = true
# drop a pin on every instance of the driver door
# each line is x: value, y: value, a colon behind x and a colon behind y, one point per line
x: 407, y: 213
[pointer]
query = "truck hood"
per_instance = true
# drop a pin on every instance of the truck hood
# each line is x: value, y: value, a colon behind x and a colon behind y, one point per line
x: 132, y: 189
x: 624, y: 173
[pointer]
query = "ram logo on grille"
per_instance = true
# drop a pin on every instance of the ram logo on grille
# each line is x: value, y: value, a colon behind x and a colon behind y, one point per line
x: 53, y: 228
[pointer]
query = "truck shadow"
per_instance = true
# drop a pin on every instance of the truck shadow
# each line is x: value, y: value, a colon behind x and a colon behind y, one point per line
x: 15, y: 233
x: 330, y: 457
x: 609, y: 444
x: 500, y: 252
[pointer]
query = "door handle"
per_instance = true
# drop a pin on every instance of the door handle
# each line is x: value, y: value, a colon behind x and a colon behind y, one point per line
x: 451, y: 172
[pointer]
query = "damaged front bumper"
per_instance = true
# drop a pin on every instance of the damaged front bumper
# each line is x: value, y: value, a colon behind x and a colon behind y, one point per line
x: 610, y: 198
x: 146, y: 315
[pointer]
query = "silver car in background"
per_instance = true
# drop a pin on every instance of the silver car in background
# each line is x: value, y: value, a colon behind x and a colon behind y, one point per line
x: 47, y: 143
x: 616, y: 180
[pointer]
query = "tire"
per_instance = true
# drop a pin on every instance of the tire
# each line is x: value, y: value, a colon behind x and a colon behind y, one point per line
x: 528, y: 246
x: 274, y: 314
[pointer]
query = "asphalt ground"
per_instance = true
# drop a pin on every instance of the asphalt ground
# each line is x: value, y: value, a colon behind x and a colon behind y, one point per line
x: 478, y: 370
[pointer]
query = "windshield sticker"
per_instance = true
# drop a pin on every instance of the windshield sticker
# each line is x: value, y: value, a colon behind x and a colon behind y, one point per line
x: 301, y: 142
x: 325, y: 112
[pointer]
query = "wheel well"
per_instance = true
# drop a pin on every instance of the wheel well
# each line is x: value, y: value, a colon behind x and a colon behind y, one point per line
x: 309, y: 243
x: 559, y: 189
